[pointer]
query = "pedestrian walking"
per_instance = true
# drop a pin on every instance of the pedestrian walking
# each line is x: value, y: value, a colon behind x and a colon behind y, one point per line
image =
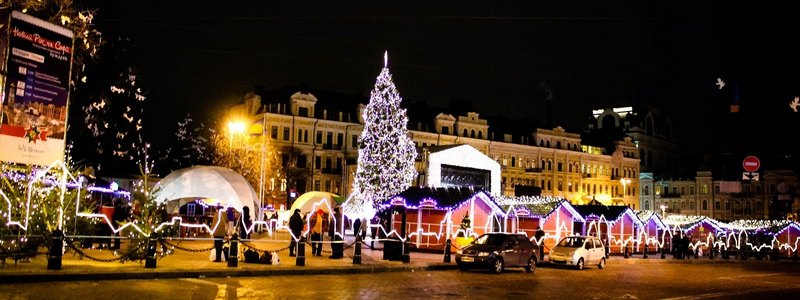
x: 296, y: 227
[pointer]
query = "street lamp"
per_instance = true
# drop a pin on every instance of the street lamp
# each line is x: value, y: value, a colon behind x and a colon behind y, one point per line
x: 663, y: 210
x: 625, y: 182
x: 235, y: 127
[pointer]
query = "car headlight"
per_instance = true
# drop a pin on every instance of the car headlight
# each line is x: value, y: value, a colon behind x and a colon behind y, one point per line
x: 459, y: 251
x: 483, y: 253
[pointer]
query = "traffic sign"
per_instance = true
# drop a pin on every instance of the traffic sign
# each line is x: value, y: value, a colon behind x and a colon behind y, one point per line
x: 750, y: 176
x: 751, y: 163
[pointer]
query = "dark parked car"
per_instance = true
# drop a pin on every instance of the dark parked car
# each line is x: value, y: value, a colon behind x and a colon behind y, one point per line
x: 496, y: 251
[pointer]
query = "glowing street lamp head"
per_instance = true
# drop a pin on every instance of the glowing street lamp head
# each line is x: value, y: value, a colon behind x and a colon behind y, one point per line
x: 236, y: 127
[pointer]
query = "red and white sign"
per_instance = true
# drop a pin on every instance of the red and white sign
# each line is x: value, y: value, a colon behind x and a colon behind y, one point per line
x: 751, y: 163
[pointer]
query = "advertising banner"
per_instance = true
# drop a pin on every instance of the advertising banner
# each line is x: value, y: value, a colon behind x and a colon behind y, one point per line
x: 35, y: 90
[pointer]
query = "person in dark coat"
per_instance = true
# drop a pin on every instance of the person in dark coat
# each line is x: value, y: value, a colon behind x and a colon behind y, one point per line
x: 119, y: 216
x: 296, y: 226
x: 539, y: 235
x: 337, y: 248
x: 357, y: 228
x: 676, y: 246
x: 244, y: 223
x: 685, y: 244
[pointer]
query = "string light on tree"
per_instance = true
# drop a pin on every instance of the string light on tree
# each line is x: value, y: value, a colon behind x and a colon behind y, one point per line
x: 386, y: 154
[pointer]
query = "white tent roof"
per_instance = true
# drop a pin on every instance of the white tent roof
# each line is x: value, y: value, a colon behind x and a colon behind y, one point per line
x: 212, y: 184
x: 313, y: 201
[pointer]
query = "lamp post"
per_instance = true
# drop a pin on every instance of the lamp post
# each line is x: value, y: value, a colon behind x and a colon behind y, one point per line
x: 625, y: 182
x: 234, y: 127
x: 663, y: 210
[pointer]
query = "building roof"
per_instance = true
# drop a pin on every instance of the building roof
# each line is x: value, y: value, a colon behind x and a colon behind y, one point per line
x: 444, y: 197
x: 596, y: 208
x: 330, y: 101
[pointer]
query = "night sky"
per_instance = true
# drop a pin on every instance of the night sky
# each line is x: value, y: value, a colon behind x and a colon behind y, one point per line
x: 501, y: 55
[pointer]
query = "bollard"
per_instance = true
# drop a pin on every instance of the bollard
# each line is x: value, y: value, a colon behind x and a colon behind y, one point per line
x: 406, y: 251
x: 447, y: 245
x: 301, y: 253
x: 794, y: 256
x: 696, y: 252
x: 711, y: 253
x: 150, y: 252
x: 663, y: 254
x: 644, y: 255
x: 743, y: 255
x: 357, y: 251
x: 625, y: 252
x: 233, y: 251
x: 56, y: 250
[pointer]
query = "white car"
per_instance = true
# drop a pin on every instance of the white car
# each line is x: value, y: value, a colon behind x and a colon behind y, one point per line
x: 579, y: 251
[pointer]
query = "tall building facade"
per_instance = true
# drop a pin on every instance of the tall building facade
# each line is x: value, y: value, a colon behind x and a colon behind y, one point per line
x: 651, y: 130
x: 718, y: 198
x: 556, y: 162
x: 668, y: 188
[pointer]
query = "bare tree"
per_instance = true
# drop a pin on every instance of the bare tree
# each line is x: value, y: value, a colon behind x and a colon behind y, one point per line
x: 294, y: 168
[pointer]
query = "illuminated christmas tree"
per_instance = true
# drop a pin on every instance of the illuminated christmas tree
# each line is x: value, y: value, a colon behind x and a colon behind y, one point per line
x: 385, y: 154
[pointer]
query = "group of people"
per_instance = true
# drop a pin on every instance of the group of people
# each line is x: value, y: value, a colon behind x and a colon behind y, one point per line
x: 680, y: 246
x: 319, y: 225
x: 231, y: 221
x: 116, y: 211
x: 228, y: 223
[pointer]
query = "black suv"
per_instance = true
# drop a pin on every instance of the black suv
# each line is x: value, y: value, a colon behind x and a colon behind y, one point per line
x: 496, y: 251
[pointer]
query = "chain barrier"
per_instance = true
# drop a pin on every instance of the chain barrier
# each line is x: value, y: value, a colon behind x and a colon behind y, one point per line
x: 373, y: 248
x: 351, y: 245
x: 246, y: 245
x: 164, y: 241
x: 346, y: 246
x: 82, y: 254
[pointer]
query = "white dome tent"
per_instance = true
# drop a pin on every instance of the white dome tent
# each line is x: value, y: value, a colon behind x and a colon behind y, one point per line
x: 210, y: 184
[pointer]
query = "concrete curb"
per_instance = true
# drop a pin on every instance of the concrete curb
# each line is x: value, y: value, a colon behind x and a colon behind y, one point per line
x: 214, y: 273
x: 167, y: 273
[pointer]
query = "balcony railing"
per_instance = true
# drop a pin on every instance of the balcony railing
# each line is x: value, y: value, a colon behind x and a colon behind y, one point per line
x: 586, y: 175
x: 533, y: 170
x: 743, y: 195
x: 331, y: 147
x: 670, y: 195
x: 333, y: 171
